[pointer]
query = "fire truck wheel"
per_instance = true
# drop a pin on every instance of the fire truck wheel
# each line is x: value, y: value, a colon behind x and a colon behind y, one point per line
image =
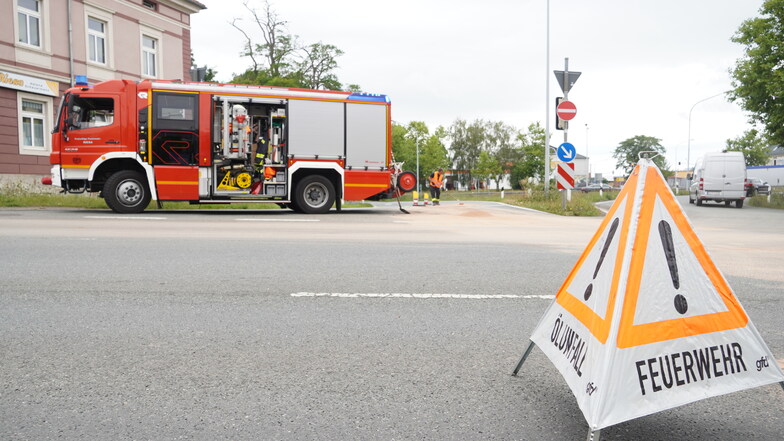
x: 126, y: 192
x: 314, y: 194
x: 293, y: 207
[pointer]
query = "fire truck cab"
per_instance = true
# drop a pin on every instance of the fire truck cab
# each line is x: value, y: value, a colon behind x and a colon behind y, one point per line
x: 218, y: 143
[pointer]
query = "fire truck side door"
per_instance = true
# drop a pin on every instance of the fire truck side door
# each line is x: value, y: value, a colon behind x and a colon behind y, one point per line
x: 175, y: 144
x: 92, y: 128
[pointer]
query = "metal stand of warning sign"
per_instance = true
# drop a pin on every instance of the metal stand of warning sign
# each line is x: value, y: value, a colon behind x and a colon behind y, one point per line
x: 522, y: 359
x: 595, y: 435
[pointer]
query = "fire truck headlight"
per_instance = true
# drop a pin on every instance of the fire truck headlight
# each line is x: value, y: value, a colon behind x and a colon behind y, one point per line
x: 143, y: 146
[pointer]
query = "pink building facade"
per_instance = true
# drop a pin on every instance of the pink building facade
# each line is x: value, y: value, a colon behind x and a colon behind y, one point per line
x: 51, y: 41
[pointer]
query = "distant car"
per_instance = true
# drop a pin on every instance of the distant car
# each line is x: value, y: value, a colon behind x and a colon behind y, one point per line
x: 594, y: 187
x: 756, y: 186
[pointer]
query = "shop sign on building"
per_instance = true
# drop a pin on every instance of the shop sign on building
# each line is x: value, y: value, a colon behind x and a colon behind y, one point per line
x: 29, y: 84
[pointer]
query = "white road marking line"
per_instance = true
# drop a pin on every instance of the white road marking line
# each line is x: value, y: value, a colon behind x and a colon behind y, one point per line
x: 419, y: 296
x: 126, y: 217
x: 277, y: 220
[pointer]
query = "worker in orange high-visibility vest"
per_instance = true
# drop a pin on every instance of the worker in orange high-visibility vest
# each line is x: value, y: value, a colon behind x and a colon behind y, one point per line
x: 436, y: 181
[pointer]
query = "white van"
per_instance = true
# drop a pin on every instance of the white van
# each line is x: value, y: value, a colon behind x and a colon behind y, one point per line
x: 719, y: 177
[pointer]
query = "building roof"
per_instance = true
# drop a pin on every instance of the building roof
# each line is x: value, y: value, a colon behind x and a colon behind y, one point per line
x: 200, y: 5
x: 189, y: 6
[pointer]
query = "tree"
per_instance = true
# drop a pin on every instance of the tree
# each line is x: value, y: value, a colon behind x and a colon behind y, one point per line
x: 280, y: 60
x: 432, y: 152
x: 210, y: 75
x: 753, y: 145
x: 403, y: 149
x: 262, y: 77
x: 503, y: 146
x: 531, y: 165
x: 757, y: 80
x: 488, y: 168
x: 277, y: 46
x: 467, y: 141
x: 628, y: 153
x: 317, y: 66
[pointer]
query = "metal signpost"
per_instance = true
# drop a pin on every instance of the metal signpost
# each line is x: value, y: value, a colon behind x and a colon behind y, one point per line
x: 566, y: 110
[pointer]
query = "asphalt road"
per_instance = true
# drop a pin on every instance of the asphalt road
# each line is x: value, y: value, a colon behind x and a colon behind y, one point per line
x: 193, y: 325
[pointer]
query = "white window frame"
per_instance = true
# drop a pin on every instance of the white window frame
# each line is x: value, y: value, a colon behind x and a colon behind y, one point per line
x: 95, y: 37
x: 148, y: 53
x: 157, y: 35
x: 45, y: 116
x: 104, y: 16
x: 30, y: 14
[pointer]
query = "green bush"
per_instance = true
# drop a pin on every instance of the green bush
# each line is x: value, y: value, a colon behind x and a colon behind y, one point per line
x: 776, y: 200
x: 582, y: 204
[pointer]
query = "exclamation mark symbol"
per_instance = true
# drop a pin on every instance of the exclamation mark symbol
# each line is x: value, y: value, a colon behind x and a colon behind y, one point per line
x: 607, y: 242
x: 665, y: 231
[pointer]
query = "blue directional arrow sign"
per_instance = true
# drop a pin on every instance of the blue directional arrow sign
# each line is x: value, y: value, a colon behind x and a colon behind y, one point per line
x: 566, y: 152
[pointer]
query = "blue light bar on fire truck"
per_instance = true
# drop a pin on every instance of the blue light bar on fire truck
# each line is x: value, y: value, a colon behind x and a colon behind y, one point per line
x: 373, y: 97
x: 81, y: 81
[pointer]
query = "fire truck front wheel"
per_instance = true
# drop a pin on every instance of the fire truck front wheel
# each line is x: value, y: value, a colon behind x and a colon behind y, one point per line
x: 314, y: 194
x: 126, y: 192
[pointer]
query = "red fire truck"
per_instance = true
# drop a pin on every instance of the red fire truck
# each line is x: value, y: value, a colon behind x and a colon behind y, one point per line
x: 220, y: 143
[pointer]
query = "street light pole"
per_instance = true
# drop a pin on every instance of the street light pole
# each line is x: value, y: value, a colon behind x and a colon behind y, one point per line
x: 547, y: 110
x: 417, y: 152
x: 587, y: 158
x: 688, y: 141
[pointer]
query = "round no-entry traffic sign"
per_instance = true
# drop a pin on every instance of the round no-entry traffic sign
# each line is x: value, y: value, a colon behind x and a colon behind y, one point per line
x: 566, y: 110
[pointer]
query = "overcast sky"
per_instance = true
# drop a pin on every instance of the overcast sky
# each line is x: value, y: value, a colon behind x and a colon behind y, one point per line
x: 644, y: 63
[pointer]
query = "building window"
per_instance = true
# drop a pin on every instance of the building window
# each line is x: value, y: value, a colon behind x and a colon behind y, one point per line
x: 35, y: 121
x: 33, y: 124
x: 149, y: 56
x: 29, y: 17
x: 96, y: 40
x: 149, y: 5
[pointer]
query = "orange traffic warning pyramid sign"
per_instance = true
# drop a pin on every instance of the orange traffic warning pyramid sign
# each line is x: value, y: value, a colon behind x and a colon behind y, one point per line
x: 589, y: 291
x: 682, y: 293
x: 645, y: 321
